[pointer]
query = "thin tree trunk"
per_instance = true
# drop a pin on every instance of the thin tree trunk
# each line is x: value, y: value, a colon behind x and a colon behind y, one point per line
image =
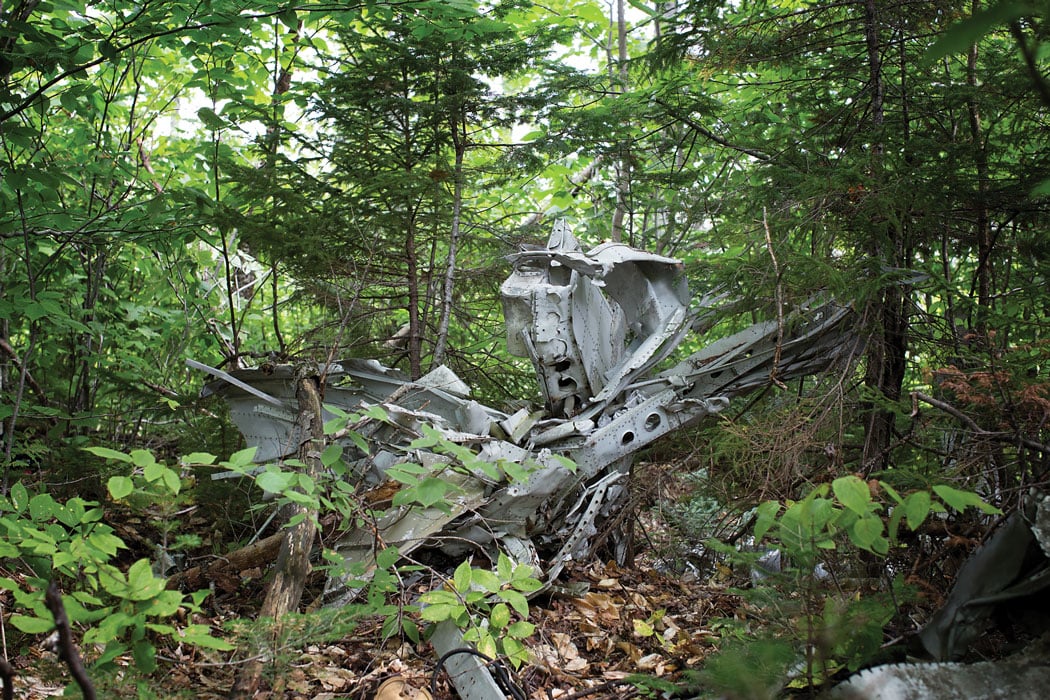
x: 293, y: 560
x: 623, y: 163
x: 984, y: 230
x: 459, y: 142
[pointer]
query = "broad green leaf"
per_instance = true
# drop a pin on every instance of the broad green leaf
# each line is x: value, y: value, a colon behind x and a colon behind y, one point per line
x: 332, y: 454
x: 120, y: 487
x: 165, y: 604
x: 765, y: 516
x: 200, y: 635
x: 42, y: 507
x: 142, y: 584
x: 461, y: 578
x: 19, y: 497
x: 32, y: 625
x: 961, y: 500
x: 521, y: 629
x: 517, y: 601
x: 504, y: 566
x: 852, y: 492
x: 916, y: 507
x: 438, y: 612
x: 275, y: 481
x: 499, y: 617
x: 145, y: 656
x: 866, y: 531
x: 107, y: 453
x: 143, y: 458
x: 240, y: 459
x: 210, y: 119
x: 488, y: 580
x: 387, y: 558
x: 172, y: 481
x: 152, y: 471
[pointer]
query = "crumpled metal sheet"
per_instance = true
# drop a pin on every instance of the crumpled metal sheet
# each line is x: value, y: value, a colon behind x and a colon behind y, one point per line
x: 1011, y: 564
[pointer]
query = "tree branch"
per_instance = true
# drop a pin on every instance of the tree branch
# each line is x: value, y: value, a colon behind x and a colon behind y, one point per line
x: 707, y: 133
x: 67, y: 650
x: 917, y: 396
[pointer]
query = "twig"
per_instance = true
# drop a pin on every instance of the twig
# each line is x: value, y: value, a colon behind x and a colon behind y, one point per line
x: 39, y: 390
x: 780, y: 305
x: 66, y: 649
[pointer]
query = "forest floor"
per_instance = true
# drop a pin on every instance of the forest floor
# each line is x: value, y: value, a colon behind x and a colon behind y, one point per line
x: 617, y: 624
x: 629, y: 622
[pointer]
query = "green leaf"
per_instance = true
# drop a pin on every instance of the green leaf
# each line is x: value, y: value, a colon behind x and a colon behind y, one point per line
x: 240, y: 459
x: 961, y: 500
x: 488, y: 580
x: 499, y: 617
x: 32, y: 625
x: 431, y: 490
x: 198, y: 459
x: 165, y: 604
x: 504, y: 566
x: 42, y: 507
x: 439, y: 612
x: 142, y: 584
x: 145, y: 656
x: 107, y: 453
x: 765, y: 516
x: 172, y: 481
x: 916, y: 508
x: 891, y: 491
x: 19, y: 497
x: 210, y: 119
x: 387, y: 558
x: 152, y: 471
x: 275, y: 481
x: 852, y: 492
x: 200, y: 635
x: 462, y: 576
x: 120, y: 487
x: 521, y: 629
x: 332, y: 454
x: 144, y: 459
x: 1040, y: 190
x: 866, y: 531
x: 517, y: 601
x: 516, y: 652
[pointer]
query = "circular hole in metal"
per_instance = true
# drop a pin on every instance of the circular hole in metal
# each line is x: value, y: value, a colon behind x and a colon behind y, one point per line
x: 627, y: 438
x: 652, y: 421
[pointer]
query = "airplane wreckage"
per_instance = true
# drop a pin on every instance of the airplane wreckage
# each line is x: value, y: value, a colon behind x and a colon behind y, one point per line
x: 595, y: 326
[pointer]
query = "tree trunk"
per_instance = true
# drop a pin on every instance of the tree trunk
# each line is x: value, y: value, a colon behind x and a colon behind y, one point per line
x: 624, y: 160
x: 886, y: 351
x: 293, y: 559
x: 983, y: 226
x: 459, y: 141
